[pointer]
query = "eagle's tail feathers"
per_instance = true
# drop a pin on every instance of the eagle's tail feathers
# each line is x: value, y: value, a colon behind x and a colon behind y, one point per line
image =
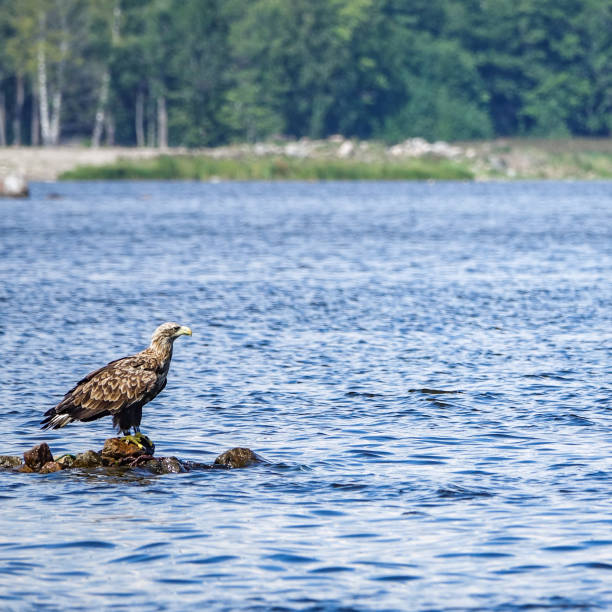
x: 53, y: 420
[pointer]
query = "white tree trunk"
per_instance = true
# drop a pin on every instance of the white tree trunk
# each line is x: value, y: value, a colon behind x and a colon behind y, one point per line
x: 100, y: 113
x: 55, y: 117
x: 50, y: 114
x: 101, y: 119
x: 56, y: 111
x: 162, y: 123
x: 43, y: 94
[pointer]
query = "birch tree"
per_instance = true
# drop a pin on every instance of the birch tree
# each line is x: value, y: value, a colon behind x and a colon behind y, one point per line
x: 159, y: 42
x: 101, y: 117
x: 51, y: 54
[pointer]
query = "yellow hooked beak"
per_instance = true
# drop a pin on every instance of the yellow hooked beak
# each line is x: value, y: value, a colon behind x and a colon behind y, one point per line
x: 183, y: 331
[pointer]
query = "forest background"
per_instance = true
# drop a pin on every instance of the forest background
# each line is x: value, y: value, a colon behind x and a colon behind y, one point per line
x: 201, y: 73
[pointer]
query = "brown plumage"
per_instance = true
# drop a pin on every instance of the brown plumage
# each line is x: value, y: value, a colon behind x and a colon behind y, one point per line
x: 122, y: 387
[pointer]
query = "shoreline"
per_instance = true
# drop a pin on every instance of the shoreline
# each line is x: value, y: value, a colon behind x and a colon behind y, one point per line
x: 501, y: 159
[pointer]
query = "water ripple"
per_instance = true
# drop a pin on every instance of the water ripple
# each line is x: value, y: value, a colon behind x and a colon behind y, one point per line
x: 425, y: 368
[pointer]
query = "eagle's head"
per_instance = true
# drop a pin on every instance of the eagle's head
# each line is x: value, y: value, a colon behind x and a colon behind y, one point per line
x: 169, y: 332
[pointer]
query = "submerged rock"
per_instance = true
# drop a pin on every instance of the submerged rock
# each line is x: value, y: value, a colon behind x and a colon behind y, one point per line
x: 36, y: 457
x: 10, y: 461
x: 237, y: 458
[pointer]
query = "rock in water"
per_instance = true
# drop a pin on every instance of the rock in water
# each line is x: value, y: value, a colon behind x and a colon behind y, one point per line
x: 164, y: 465
x: 36, y: 457
x: 8, y: 461
x: 88, y: 459
x: 14, y: 186
x: 66, y: 461
x: 237, y: 458
x: 131, y: 452
x: 50, y: 466
x: 119, y: 450
x: 171, y: 465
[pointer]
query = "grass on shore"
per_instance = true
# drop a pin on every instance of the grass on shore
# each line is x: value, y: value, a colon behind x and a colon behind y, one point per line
x: 199, y: 167
x: 587, y: 164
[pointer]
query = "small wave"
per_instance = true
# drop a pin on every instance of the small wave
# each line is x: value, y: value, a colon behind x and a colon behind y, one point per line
x: 457, y: 492
x: 397, y: 578
x: 77, y: 544
x: 562, y: 548
x: 334, y: 569
x: 363, y: 452
x: 521, y: 569
x: 475, y: 555
x: 142, y: 558
x: 427, y: 391
x: 366, y: 394
x: 212, y: 560
x: 289, y: 558
x: 593, y: 565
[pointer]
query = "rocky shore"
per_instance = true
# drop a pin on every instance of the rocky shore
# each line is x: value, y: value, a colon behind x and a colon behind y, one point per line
x: 495, y: 159
x: 121, y: 453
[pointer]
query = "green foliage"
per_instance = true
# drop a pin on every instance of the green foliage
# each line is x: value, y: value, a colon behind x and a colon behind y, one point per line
x: 192, y: 167
x: 441, y: 99
x: 231, y: 70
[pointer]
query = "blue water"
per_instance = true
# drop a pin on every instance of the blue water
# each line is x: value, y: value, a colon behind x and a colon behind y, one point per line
x: 323, y: 317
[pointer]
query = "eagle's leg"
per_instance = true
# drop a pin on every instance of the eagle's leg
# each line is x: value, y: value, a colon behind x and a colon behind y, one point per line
x: 129, y: 419
x: 148, y: 443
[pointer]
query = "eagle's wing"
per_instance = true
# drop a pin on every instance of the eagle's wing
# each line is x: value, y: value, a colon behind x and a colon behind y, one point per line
x: 116, y: 386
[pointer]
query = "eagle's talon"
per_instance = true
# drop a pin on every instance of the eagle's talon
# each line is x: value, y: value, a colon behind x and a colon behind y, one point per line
x: 133, y: 440
x: 141, y: 441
